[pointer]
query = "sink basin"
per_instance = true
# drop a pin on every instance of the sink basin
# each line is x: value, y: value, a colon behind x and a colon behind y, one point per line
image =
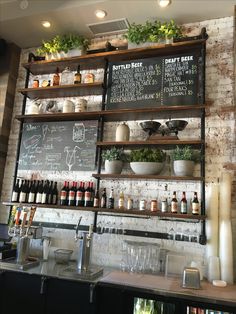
x: 12, y: 264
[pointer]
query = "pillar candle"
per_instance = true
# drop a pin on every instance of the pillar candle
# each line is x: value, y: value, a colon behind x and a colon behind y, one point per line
x: 225, y: 228
x: 212, y: 223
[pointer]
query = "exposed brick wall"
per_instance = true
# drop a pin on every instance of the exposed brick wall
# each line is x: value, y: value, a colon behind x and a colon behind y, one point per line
x: 220, y: 137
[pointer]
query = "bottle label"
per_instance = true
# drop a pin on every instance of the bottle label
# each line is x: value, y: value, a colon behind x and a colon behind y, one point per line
x: 87, y: 196
x: 195, y: 208
x: 63, y: 195
x: 14, y: 197
x: 96, y: 202
x: 183, y: 208
x: 39, y: 198
x: 121, y: 203
x: 31, y: 197
x: 142, y: 205
x: 22, y: 197
x: 174, y: 207
x: 44, y: 198
x: 79, y: 196
x: 153, y: 205
x: 164, y: 206
x: 54, y: 200
x: 71, y: 195
x: 130, y: 203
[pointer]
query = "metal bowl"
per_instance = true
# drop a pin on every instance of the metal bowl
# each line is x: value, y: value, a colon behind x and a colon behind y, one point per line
x: 176, y: 125
x: 150, y: 127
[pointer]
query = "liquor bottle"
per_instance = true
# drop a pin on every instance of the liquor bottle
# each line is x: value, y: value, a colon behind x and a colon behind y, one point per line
x: 111, y: 200
x: 183, y: 204
x: 27, y: 189
x: 79, y: 199
x: 174, y: 204
x: 72, y: 194
x: 87, y: 195
x: 23, y: 192
x: 121, y: 201
x: 49, y: 197
x: 96, y: 199
x: 54, y: 194
x: 92, y: 194
x: 39, y: 193
x: 32, y: 193
x: 195, y: 205
x: 16, y: 191
x: 56, y: 78
x: 77, y: 77
x: 63, y: 194
x: 45, y: 192
x: 104, y: 199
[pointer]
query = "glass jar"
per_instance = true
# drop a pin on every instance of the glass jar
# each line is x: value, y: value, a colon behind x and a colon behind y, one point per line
x: 67, y: 77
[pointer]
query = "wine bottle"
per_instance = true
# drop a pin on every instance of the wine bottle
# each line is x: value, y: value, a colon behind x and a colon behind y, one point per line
x: 54, y: 195
x: 63, y: 194
x: 72, y: 194
x: 23, y: 192
x: 104, y: 199
x: 16, y: 191
x: 96, y: 199
x: 56, y: 78
x: 174, y: 204
x: 39, y: 193
x: 77, y: 77
x: 87, y: 195
x: 49, y: 196
x: 111, y: 199
x: 195, y: 205
x: 79, y: 200
x: 183, y: 204
x: 92, y: 194
x: 32, y: 193
x: 45, y: 193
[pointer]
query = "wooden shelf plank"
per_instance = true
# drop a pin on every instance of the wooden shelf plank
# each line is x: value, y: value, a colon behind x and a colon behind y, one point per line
x: 63, y: 91
x: 165, y: 143
x: 118, y: 115
x: 89, y: 61
x: 135, y: 212
x: 145, y: 177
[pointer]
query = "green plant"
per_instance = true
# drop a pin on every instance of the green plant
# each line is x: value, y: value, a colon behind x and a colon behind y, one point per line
x: 152, y: 31
x: 185, y: 153
x: 63, y: 43
x: 147, y: 155
x: 113, y: 154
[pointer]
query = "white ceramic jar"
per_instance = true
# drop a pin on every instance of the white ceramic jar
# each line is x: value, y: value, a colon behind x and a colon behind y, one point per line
x: 81, y: 105
x: 122, y: 132
x: 68, y: 106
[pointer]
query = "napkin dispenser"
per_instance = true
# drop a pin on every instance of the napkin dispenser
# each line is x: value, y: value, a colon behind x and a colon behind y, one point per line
x: 191, y: 278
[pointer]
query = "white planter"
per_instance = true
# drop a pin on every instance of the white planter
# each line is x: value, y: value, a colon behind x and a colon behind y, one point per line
x: 139, y: 167
x: 150, y: 44
x: 113, y: 167
x: 183, y: 167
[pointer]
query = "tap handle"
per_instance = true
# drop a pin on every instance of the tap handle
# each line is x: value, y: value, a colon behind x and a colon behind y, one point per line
x: 90, y: 230
x: 77, y: 228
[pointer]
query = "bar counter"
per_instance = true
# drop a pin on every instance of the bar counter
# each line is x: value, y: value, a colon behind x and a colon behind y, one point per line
x: 152, y: 285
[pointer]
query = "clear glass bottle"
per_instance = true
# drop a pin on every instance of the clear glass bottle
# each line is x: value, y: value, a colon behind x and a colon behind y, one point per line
x: 67, y: 77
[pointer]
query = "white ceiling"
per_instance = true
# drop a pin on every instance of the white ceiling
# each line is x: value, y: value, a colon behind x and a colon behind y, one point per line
x: 23, y: 26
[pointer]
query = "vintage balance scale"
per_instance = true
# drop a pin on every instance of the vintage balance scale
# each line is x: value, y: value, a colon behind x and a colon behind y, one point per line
x: 156, y: 131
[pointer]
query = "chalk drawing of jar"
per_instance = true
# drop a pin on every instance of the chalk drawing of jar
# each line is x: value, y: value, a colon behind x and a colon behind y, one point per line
x: 79, y: 132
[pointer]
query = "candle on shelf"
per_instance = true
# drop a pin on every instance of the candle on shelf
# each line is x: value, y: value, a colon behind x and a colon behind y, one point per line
x: 225, y: 229
x: 212, y: 223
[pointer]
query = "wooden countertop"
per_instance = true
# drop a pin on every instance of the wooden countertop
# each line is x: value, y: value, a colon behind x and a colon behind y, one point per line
x: 167, y: 286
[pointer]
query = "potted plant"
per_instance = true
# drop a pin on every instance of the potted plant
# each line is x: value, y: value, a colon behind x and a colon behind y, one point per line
x: 113, y: 160
x: 69, y: 45
x: 183, y: 160
x: 152, y: 33
x: 147, y: 161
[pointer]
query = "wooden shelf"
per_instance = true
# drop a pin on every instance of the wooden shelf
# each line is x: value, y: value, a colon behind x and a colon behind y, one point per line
x: 118, y: 115
x: 145, y: 177
x: 162, y: 143
x: 135, y: 212
x: 63, y: 91
x: 90, y: 61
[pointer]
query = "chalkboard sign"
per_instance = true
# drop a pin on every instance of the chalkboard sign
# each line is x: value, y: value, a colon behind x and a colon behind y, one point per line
x: 152, y: 82
x: 58, y: 146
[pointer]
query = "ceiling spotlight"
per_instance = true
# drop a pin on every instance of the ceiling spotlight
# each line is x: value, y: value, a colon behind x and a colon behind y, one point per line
x: 100, y: 14
x: 164, y: 3
x: 46, y: 24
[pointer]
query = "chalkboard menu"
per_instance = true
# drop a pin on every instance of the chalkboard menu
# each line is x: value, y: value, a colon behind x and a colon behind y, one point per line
x: 58, y: 146
x: 152, y: 82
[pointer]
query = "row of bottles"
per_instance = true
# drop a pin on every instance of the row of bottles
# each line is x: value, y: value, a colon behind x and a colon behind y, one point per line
x: 182, y: 207
x: 67, y: 77
x: 35, y: 192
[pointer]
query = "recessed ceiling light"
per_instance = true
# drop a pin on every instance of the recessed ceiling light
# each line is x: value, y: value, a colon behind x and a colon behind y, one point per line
x: 46, y: 24
x: 100, y: 14
x: 164, y: 3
